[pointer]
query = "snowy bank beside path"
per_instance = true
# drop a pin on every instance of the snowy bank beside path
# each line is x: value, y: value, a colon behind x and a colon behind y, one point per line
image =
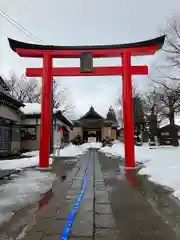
x: 32, y: 153
x: 20, y: 163
x: 32, y: 159
x: 161, y: 164
x: 22, y: 190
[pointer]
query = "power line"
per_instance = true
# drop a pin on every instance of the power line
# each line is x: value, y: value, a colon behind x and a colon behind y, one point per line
x: 19, y: 26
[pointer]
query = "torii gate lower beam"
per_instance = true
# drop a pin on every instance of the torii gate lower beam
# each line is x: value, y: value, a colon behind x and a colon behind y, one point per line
x: 125, y: 51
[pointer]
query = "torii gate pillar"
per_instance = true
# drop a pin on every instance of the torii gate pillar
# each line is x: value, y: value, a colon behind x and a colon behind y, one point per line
x: 125, y: 51
x: 128, y: 111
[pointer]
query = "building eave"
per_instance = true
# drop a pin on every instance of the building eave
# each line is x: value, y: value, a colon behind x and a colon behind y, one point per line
x: 10, y: 101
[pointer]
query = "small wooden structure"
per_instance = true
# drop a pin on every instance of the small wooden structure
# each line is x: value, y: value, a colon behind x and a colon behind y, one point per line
x: 164, y: 134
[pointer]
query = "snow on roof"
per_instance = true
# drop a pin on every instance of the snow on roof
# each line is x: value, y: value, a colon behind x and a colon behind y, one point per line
x: 166, y: 122
x: 31, y: 108
x: 35, y: 108
x: 67, y: 118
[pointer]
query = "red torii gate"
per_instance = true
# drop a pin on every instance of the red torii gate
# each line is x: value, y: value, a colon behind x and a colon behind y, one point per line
x: 47, y: 72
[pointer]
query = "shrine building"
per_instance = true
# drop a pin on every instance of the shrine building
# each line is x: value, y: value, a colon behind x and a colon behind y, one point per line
x: 93, y: 125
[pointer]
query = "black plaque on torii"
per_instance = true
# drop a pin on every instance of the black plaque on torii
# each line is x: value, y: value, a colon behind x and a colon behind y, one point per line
x: 86, y: 62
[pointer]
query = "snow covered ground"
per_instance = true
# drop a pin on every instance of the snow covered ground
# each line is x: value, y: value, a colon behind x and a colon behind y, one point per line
x: 26, y: 187
x: 162, y: 164
x: 23, y: 189
x: 21, y: 163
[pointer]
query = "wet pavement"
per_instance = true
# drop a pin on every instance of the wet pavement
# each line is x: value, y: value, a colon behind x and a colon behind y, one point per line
x: 136, y: 214
x: 115, y: 205
x: 7, y: 173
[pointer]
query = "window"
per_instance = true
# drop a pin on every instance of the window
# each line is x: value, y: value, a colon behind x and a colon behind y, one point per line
x: 4, y: 137
x: 165, y: 133
x: 15, y: 133
x: 28, y: 133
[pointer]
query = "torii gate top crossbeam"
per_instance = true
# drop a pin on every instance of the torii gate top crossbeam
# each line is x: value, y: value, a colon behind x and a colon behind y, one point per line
x: 148, y: 47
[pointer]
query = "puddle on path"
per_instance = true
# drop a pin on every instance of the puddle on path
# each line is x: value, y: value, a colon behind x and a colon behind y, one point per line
x: 46, y: 198
x: 160, y: 198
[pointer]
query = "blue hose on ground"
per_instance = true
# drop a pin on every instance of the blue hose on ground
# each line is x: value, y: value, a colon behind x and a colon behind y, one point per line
x: 72, y: 214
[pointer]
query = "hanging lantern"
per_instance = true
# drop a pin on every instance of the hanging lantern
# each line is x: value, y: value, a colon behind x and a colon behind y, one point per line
x: 60, y: 130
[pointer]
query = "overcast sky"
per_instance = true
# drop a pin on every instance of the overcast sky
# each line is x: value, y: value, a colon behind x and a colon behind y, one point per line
x: 82, y: 22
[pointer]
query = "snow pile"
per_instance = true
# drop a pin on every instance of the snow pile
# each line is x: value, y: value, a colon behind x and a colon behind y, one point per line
x: 164, y: 167
x: 117, y: 149
x: 23, y: 190
x: 30, y: 154
x: 162, y: 164
x: 21, y: 163
x: 71, y: 151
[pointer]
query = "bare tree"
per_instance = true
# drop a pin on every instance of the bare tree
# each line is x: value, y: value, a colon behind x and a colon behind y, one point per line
x: 23, y: 89
x: 171, y: 48
x: 60, y: 99
x: 168, y: 104
x: 27, y: 90
x: 152, y: 113
x: 119, y: 108
x: 151, y: 105
x: 165, y: 97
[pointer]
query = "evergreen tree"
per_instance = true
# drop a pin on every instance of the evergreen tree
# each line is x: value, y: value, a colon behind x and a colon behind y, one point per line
x: 111, y: 115
x: 139, y: 118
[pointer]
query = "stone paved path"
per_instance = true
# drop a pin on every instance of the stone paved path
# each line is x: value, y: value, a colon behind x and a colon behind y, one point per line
x: 94, y: 219
x: 110, y: 209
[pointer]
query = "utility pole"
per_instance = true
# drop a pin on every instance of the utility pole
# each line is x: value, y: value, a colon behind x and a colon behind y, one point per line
x: 52, y: 127
x: 153, y: 122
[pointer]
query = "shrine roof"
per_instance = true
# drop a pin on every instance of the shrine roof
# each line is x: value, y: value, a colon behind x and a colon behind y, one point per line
x: 91, y: 114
